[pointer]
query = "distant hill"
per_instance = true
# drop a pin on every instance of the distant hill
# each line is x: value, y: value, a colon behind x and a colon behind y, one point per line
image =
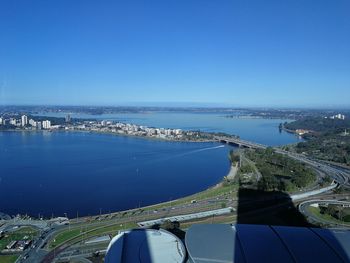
x: 319, y: 124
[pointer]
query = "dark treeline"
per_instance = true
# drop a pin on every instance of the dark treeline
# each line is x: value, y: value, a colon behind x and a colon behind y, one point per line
x: 319, y: 124
x: 328, y: 139
x: 278, y: 172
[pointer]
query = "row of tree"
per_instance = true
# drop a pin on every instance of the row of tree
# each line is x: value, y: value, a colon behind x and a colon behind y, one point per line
x: 280, y: 172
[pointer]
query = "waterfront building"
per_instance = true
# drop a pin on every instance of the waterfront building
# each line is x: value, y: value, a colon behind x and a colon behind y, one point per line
x: 38, y: 125
x: 1, y: 121
x: 301, y: 131
x: 46, y: 124
x: 24, y: 120
x: 13, y: 121
x: 32, y: 122
x: 68, y: 118
x: 177, y: 131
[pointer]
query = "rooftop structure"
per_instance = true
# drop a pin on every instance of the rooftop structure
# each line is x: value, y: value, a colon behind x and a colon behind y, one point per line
x: 145, y: 246
x: 338, y: 116
x: 24, y: 120
x: 263, y: 243
x: 68, y: 118
x: 46, y: 124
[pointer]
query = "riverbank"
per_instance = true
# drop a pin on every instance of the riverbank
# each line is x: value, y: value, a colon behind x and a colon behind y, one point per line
x: 214, y: 191
x: 233, y: 171
x: 112, y: 133
x: 138, y: 165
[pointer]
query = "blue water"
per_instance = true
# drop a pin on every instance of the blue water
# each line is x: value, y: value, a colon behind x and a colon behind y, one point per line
x: 66, y: 172
x: 263, y: 131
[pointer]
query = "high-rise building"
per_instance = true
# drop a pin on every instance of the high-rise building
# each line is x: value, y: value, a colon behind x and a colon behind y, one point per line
x: 24, y: 120
x: 68, y: 118
x: 338, y: 116
x: 32, y: 122
x: 47, y: 124
x: 38, y: 125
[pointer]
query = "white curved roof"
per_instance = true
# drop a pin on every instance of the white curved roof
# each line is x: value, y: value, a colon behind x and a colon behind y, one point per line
x: 145, y: 246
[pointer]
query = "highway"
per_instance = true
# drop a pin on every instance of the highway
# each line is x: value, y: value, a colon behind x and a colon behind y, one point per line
x: 303, y: 208
x: 340, y: 174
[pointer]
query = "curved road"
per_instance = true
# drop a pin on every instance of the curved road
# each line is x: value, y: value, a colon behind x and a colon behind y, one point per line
x: 303, y: 208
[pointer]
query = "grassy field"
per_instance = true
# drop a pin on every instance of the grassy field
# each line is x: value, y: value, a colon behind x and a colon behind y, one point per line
x: 215, y: 191
x: 18, y: 235
x: 79, y: 232
x: 8, y: 258
x: 316, y: 212
x: 76, y: 234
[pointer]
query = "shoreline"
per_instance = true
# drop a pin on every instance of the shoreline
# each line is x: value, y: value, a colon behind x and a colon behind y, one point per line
x: 113, y: 133
x: 230, y: 172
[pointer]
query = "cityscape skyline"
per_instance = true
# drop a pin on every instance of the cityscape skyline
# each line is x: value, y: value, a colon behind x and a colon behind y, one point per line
x: 182, y: 53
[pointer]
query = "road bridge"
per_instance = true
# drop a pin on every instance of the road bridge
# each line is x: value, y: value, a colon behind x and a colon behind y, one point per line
x: 340, y: 175
x: 239, y: 142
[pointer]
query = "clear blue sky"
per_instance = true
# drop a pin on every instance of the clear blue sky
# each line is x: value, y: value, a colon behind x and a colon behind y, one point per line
x: 239, y: 53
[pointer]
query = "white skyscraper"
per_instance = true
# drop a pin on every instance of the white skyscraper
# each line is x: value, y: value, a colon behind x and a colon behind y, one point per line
x: 46, y: 124
x: 24, y: 120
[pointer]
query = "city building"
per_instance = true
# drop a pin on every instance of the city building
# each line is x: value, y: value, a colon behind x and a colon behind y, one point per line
x: 301, y: 131
x: 1, y: 121
x: 338, y: 116
x: 46, y: 124
x: 13, y: 121
x: 32, y: 122
x: 38, y: 125
x: 24, y: 119
x: 68, y: 118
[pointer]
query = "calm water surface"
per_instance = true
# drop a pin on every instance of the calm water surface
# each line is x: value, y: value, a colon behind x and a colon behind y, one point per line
x: 66, y: 172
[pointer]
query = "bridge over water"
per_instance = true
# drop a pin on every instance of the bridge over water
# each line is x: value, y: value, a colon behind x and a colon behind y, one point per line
x: 339, y: 175
x: 239, y: 142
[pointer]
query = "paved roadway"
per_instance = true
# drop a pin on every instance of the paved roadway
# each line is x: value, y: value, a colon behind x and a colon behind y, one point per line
x: 340, y: 174
x: 304, y: 205
x: 187, y: 217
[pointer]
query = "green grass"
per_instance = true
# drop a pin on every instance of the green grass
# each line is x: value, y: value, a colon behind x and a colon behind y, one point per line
x: 8, y: 258
x: 228, y: 191
x: 347, y: 218
x: 17, y: 235
x: 77, y: 232
x: 331, y: 219
x: 63, y: 236
x: 84, y: 233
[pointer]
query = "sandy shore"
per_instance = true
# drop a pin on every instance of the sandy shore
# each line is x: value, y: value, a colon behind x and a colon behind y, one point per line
x: 233, y: 171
